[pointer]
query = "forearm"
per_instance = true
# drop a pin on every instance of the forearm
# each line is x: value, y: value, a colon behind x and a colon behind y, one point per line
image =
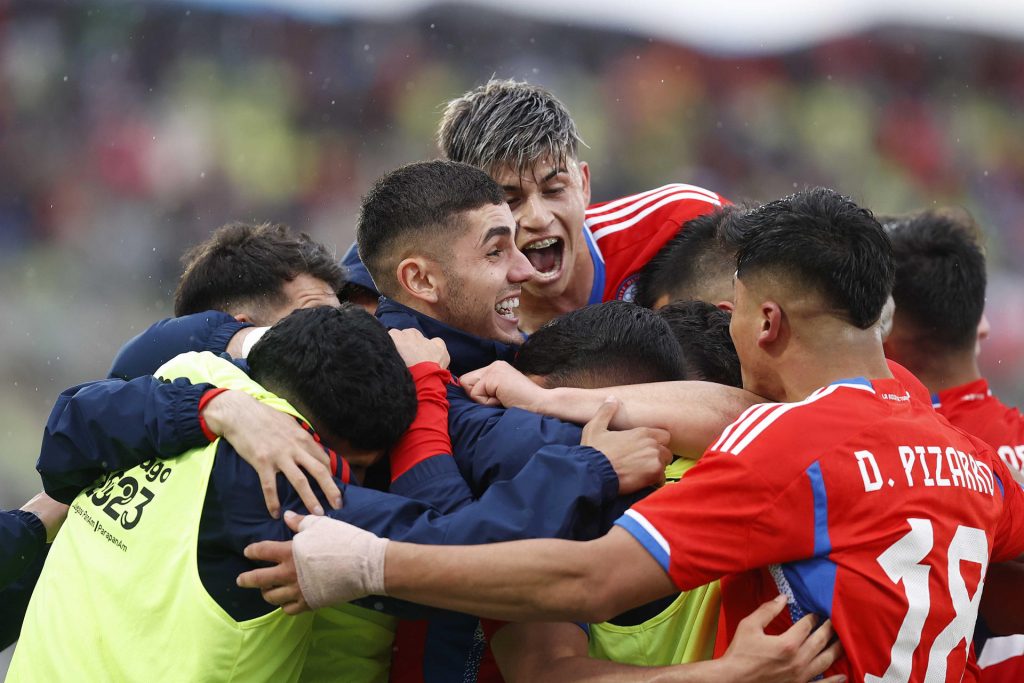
x: 541, y: 579
x: 694, y: 413
x: 22, y: 539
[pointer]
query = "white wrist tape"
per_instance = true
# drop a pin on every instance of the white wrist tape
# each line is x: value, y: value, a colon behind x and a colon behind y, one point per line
x: 250, y: 339
x: 337, y: 562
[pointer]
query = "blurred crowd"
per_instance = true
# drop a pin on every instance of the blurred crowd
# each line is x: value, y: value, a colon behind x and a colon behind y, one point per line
x: 130, y: 130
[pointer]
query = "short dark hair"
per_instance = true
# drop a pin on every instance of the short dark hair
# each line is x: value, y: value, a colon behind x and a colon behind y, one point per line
x: 689, y: 261
x: 507, y: 123
x: 412, y: 208
x: 824, y: 241
x: 244, y: 264
x: 340, y: 369
x: 940, y: 276
x: 702, y: 331
x: 607, y: 344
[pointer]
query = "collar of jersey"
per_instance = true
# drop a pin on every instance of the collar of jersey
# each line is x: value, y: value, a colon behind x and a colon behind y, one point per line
x: 855, y: 383
x: 597, y: 291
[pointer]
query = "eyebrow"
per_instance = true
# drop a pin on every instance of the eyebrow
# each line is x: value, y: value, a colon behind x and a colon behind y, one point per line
x: 501, y: 230
x: 554, y: 172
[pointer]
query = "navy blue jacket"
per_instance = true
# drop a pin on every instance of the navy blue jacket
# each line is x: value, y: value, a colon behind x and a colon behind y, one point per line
x: 23, y: 538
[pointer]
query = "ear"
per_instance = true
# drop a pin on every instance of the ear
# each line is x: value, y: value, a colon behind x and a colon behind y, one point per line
x: 418, y: 279
x: 243, y: 318
x: 726, y: 305
x: 585, y: 181
x: 771, y: 323
x: 661, y: 302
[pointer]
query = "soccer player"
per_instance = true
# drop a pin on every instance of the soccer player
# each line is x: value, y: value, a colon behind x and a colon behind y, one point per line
x: 140, y: 583
x: 525, y: 138
x: 847, y: 498
x: 256, y: 274
x: 938, y: 325
x: 695, y: 265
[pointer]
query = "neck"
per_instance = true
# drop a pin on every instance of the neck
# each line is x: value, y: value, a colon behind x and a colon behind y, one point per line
x: 858, y: 354
x: 939, y: 373
x: 536, y: 309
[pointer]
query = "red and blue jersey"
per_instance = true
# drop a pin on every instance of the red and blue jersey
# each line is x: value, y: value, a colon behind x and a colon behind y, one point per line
x: 624, y: 234
x: 859, y: 504
x: 973, y: 408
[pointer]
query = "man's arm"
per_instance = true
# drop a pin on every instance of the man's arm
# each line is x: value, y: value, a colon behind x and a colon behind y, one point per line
x: 162, y: 341
x: 557, y: 652
x: 694, y: 413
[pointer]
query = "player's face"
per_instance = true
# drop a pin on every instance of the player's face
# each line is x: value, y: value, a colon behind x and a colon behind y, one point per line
x: 480, y: 284
x: 548, y: 204
x: 305, y: 291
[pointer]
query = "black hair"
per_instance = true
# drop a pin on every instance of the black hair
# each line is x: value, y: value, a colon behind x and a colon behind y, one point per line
x: 702, y: 331
x: 242, y: 264
x: 824, y: 241
x: 338, y: 367
x: 940, y: 276
x: 688, y: 262
x: 607, y: 344
x: 417, y: 206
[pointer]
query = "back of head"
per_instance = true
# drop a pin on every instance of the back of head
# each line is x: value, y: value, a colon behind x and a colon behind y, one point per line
x: 340, y: 369
x: 601, y: 345
x: 507, y: 124
x: 819, y: 241
x: 416, y: 210
x: 702, y: 331
x: 940, y: 278
x: 696, y: 264
x: 245, y: 267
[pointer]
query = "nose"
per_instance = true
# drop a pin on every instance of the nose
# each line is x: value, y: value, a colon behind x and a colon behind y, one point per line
x: 521, y: 269
x: 532, y: 213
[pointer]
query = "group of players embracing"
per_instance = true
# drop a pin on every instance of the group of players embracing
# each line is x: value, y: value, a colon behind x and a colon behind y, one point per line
x: 518, y: 436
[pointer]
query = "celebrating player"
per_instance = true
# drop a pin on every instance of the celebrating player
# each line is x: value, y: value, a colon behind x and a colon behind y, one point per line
x: 848, y: 498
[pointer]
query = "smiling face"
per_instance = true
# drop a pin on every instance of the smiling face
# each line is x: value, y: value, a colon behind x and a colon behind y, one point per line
x: 549, y: 204
x: 481, y: 282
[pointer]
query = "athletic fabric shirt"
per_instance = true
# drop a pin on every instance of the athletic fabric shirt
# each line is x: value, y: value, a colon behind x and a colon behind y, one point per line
x: 624, y: 234
x: 973, y: 408
x: 859, y: 504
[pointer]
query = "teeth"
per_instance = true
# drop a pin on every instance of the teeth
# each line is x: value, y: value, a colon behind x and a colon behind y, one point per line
x: 505, y: 307
x: 540, y: 244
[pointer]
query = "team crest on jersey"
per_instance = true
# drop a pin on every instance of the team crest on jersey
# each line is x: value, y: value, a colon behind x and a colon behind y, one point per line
x: 627, y: 289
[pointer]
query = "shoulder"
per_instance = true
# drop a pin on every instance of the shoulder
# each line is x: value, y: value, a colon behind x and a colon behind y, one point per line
x: 676, y: 199
x: 824, y: 417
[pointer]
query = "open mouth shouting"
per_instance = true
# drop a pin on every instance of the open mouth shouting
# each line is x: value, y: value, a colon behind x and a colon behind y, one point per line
x: 545, y: 255
x: 506, y: 308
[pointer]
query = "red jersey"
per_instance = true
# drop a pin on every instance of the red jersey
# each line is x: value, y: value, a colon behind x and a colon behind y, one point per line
x: 858, y: 503
x: 624, y: 234
x: 973, y: 408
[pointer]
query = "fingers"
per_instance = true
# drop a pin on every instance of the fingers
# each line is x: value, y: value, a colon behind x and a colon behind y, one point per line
x: 297, y: 607
x: 282, y: 595
x: 301, y: 485
x: 603, y: 417
x: 293, y: 520
x: 269, y: 551
x: 268, y: 482
x: 799, y: 632
x: 824, y: 660
x: 764, y: 614
x: 263, y: 578
x: 322, y: 474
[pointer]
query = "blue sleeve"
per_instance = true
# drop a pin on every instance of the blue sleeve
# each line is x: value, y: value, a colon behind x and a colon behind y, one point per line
x: 558, y: 494
x: 436, y: 481
x: 112, y: 425
x: 494, y: 444
x: 14, y: 597
x: 22, y: 538
x: 147, y: 351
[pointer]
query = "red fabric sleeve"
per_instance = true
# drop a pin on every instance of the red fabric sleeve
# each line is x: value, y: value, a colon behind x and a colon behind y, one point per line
x: 206, y: 398
x: 428, y: 434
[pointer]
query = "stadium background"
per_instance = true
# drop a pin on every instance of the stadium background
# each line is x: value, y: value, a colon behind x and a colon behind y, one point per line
x: 130, y: 130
